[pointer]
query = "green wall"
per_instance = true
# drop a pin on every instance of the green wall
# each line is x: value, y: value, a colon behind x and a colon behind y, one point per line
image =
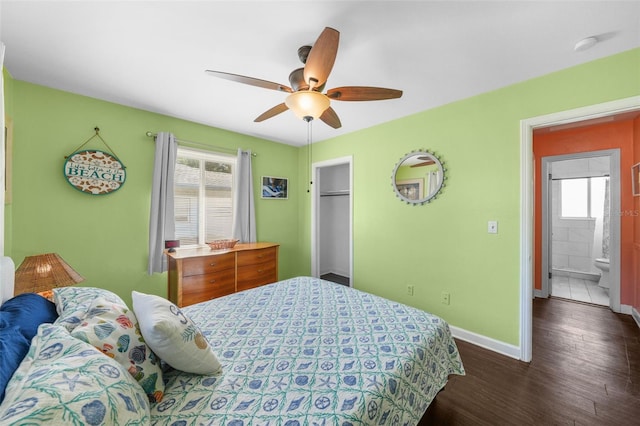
x: 441, y: 246
x: 105, y: 238
x: 444, y: 246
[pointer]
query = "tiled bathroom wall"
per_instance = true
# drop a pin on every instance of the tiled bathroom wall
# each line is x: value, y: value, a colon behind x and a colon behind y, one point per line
x: 572, y: 243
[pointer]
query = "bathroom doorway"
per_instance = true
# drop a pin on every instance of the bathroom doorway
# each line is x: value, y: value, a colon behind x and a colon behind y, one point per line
x: 578, y: 230
x: 531, y: 184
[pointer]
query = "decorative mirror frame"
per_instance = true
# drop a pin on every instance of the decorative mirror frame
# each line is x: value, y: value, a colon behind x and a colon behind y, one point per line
x: 428, y: 197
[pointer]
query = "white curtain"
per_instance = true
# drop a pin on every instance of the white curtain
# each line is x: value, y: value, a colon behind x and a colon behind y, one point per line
x: 432, y: 182
x: 244, y: 216
x: 161, y: 221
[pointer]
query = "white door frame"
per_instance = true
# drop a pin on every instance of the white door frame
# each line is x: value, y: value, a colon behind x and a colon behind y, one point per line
x: 526, y: 199
x: 315, y: 220
x: 614, y: 226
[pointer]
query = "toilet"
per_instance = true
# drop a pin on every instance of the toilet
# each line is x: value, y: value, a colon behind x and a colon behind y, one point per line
x: 603, y: 265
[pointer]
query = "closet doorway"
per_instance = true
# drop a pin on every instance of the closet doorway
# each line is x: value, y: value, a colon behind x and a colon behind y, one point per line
x: 331, y: 221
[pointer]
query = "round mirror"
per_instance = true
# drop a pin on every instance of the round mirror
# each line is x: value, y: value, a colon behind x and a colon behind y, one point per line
x: 418, y: 177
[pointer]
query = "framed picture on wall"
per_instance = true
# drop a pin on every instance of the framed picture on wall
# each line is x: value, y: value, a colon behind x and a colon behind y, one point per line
x: 412, y: 189
x: 275, y: 188
x: 635, y: 179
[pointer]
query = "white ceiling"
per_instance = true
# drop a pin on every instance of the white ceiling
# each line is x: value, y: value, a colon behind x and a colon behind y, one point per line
x: 152, y: 54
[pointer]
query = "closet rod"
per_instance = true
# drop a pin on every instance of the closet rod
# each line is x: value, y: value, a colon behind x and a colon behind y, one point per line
x: 204, y: 145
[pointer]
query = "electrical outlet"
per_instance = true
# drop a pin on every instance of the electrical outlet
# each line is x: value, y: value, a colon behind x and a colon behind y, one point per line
x: 410, y: 290
x: 445, y: 298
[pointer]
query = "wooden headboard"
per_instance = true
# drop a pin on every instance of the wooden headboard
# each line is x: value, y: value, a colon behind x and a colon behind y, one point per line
x: 7, y: 278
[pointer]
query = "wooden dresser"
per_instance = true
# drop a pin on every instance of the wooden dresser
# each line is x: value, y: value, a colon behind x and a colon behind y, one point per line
x: 200, y: 274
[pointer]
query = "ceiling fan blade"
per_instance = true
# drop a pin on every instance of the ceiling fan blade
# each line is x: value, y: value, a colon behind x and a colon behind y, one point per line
x: 330, y: 117
x: 426, y: 163
x: 271, y: 112
x: 322, y: 57
x: 250, y: 81
x: 363, y: 93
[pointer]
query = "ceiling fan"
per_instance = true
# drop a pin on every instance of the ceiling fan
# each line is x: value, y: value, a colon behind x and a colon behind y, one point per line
x: 425, y: 161
x: 306, y: 99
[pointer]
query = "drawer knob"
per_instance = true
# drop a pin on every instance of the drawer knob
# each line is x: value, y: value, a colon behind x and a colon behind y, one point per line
x: 212, y: 281
x: 213, y: 264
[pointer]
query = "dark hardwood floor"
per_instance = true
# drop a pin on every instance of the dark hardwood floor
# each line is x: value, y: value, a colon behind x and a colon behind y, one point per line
x: 339, y: 279
x: 585, y: 371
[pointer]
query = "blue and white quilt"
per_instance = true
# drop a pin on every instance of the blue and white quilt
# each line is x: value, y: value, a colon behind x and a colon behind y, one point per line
x: 309, y: 352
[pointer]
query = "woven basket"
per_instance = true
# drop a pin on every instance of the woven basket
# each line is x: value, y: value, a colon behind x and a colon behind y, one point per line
x: 222, y: 244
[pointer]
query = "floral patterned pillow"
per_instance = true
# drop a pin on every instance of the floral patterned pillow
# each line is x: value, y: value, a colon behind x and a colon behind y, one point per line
x: 173, y: 336
x: 72, y: 303
x: 113, y: 329
x: 63, y: 378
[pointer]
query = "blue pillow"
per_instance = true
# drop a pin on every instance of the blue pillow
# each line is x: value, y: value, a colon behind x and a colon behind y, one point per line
x: 13, y: 348
x: 28, y: 311
x: 20, y: 318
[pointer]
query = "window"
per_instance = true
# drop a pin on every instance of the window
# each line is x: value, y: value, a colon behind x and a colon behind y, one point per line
x: 203, y: 194
x: 582, y: 198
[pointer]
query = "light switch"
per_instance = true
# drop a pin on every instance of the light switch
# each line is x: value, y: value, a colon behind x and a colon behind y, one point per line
x: 493, y: 227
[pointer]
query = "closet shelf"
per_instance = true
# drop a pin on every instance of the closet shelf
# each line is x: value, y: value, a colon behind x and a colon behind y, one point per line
x: 334, y: 193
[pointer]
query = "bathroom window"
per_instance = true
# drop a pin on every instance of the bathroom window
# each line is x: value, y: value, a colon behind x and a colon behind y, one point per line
x: 583, y: 197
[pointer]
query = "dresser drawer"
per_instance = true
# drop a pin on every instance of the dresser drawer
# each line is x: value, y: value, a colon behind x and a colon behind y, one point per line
x: 198, y: 288
x: 208, y: 264
x: 252, y: 257
x: 256, y: 275
x: 198, y: 274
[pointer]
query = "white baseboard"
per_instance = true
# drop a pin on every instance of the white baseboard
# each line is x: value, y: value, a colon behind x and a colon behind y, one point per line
x: 486, y: 342
x: 636, y: 315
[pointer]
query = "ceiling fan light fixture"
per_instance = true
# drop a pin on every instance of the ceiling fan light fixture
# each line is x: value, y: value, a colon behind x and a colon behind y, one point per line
x: 307, y: 103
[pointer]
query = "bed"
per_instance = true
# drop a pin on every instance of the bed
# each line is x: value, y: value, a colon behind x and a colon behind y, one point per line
x: 302, y: 351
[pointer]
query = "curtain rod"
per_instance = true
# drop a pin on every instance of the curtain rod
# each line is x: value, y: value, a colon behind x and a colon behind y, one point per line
x: 204, y: 145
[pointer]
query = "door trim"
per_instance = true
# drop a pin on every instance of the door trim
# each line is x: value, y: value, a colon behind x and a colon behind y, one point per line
x: 315, y: 203
x: 526, y: 200
x: 547, y: 223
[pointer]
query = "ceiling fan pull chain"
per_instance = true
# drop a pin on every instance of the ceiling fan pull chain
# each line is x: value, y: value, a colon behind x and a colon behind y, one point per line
x: 309, y: 119
x: 310, y: 149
